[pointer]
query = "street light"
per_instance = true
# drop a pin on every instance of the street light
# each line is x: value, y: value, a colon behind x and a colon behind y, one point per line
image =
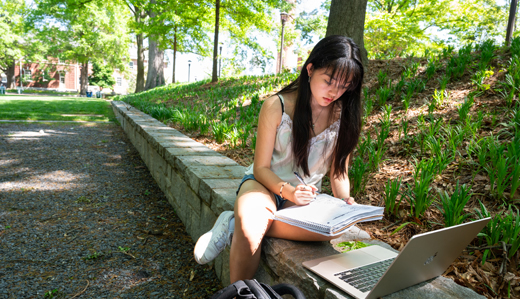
x: 21, y: 76
x: 283, y: 16
x: 220, y: 60
x: 189, y: 64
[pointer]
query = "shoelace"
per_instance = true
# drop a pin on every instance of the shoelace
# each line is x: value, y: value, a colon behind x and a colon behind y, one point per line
x: 223, y: 240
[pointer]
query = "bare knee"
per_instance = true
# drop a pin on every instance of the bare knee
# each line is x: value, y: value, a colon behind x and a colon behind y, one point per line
x: 253, y: 217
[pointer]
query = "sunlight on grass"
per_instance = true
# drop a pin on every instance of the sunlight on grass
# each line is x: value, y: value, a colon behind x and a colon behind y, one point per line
x: 54, y: 108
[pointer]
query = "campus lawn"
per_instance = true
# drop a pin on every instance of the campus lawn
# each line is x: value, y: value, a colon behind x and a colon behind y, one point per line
x: 13, y: 107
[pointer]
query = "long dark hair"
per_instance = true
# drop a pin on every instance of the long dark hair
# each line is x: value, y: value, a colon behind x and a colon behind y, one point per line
x: 341, y: 56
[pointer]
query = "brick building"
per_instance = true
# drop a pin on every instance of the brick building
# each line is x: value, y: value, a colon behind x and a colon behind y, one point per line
x: 54, y: 74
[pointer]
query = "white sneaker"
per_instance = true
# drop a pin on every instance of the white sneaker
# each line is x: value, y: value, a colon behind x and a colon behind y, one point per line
x: 211, y: 244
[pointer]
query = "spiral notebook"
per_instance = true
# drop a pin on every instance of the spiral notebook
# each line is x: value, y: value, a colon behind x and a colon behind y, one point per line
x: 328, y: 215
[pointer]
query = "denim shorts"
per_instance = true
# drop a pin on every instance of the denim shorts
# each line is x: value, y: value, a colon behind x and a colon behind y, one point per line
x: 279, y: 200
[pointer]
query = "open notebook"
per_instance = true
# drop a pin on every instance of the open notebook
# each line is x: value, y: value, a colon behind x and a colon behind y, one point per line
x: 328, y: 215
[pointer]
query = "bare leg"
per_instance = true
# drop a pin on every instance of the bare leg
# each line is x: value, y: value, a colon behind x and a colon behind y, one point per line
x: 254, y: 209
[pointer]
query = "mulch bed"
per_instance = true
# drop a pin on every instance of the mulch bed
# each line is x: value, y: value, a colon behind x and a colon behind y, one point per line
x: 81, y: 217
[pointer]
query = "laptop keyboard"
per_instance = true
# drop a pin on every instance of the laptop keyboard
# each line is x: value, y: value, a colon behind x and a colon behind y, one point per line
x: 365, y: 278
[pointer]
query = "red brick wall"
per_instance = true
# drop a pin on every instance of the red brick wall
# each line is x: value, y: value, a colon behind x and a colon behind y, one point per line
x: 70, y: 74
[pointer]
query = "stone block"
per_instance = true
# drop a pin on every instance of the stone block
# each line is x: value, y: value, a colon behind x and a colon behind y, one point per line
x: 171, y: 154
x: 185, y: 197
x: 167, y: 179
x: 178, y: 184
x: 151, y: 123
x: 194, y: 174
x: 217, y: 160
x: 437, y: 288
x: 284, y: 258
x: 264, y: 274
x: 208, y: 219
x: 193, y: 225
x: 160, y: 170
x: 221, y: 264
x: 178, y: 141
x: 207, y: 187
x: 223, y: 200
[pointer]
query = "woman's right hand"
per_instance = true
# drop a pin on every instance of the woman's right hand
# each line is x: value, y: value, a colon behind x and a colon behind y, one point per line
x: 304, y: 194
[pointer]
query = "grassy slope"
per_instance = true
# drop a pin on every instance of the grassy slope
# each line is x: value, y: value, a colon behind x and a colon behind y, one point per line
x: 490, y: 116
x: 54, y: 108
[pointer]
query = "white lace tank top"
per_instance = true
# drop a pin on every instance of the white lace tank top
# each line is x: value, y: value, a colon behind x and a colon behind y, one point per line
x: 321, y: 148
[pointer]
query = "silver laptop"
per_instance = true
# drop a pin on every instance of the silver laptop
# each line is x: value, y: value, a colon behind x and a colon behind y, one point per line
x: 374, y: 271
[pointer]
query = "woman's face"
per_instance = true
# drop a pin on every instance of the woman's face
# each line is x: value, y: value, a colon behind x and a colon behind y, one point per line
x: 324, y: 88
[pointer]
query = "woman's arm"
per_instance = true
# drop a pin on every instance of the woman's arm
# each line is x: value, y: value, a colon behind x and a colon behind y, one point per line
x: 268, y: 121
x: 341, y: 186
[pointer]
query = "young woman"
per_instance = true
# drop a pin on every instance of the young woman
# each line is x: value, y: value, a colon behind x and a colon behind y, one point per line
x: 311, y: 126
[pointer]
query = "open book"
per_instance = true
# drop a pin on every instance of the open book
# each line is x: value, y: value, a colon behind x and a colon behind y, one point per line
x: 328, y: 215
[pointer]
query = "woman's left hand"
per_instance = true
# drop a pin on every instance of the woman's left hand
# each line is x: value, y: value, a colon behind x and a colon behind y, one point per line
x: 350, y: 200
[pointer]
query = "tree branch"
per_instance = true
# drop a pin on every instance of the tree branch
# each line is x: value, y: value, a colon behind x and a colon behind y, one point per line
x: 130, y: 7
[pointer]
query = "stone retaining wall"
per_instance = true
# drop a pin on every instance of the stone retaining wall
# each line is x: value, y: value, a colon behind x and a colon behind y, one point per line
x: 200, y: 183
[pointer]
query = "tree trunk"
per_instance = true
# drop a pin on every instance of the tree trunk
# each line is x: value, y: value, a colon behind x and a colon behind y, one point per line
x: 11, y: 80
x: 511, y: 22
x: 214, y: 77
x: 155, y: 75
x: 84, y: 78
x: 139, y: 84
x: 174, y: 54
x: 155, y: 65
x: 347, y: 17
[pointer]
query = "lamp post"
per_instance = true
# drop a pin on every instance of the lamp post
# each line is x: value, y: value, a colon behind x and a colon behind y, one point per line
x: 21, y: 76
x: 220, y: 60
x: 189, y: 64
x: 283, y: 16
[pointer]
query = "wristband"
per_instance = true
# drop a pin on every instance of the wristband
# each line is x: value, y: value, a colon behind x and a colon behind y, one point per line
x: 282, y: 189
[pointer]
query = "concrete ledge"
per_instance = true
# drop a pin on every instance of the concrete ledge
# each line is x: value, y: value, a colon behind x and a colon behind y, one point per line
x: 200, y: 184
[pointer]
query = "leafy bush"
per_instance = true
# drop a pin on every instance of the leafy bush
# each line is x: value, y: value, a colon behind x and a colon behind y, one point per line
x: 452, y: 207
x: 418, y: 195
x: 502, y: 228
x: 390, y: 196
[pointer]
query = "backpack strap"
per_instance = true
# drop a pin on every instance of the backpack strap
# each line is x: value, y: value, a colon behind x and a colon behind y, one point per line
x: 252, y: 289
x: 238, y: 289
x: 261, y: 290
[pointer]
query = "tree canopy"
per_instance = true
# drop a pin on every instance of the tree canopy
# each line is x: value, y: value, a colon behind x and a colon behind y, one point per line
x: 102, y: 30
x: 397, y: 27
x: 83, y: 31
x: 102, y: 75
x: 16, y: 40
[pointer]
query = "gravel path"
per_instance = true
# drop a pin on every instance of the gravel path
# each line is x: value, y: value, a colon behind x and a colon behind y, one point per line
x: 80, y: 214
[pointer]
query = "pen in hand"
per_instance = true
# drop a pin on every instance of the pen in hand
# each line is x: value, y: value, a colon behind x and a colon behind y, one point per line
x: 303, y: 182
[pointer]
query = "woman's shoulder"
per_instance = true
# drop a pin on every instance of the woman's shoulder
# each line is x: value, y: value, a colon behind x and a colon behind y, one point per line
x: 272, y: 104
x: 289, y: 100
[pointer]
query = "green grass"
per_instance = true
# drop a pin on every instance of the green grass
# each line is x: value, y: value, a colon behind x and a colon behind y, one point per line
x: 54, y: 108
x: 45, y: 92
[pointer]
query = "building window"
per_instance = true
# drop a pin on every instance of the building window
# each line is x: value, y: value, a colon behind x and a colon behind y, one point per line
x: 131, y: 65
x: 62, y: 77
x: 27, y: 75
x: 119, y: 81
